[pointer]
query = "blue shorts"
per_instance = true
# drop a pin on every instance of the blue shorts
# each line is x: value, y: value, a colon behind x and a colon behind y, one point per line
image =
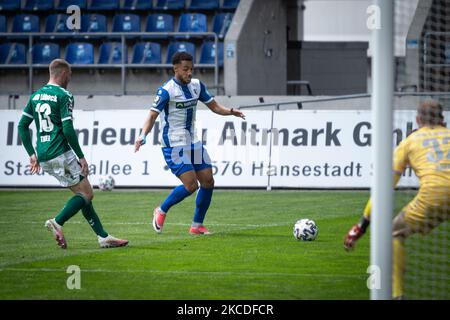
x: 185, y: 158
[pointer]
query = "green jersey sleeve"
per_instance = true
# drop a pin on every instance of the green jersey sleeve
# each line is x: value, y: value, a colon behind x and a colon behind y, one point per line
x: 66, y: 108
x: 24, y: 132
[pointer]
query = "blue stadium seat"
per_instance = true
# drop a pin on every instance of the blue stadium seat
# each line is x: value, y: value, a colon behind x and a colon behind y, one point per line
x: 12, y: 53
x: 80, y: 53
x: 25, y: 23
x: 204, y: 5
x: 230, y: 4
x: 38, y: 5
x: 2, y: 24
x: 92, y: 23
x: 193, y: 22
x: 159, y: 22
x: 146, y: 52
x: 221, y: 24
x: 9, y: 5
x: 136, y: 5
x: 64, y: 4
x: 111, y: 53
x: 44, y: 53
x: 56, y: 23
x: 208, y: 53
x: 104, y: 5
x: 126, y: 23
x: 170, y: 4
x: 180, y: 46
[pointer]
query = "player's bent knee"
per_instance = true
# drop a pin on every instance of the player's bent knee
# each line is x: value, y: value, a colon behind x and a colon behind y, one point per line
x: 192, y: 187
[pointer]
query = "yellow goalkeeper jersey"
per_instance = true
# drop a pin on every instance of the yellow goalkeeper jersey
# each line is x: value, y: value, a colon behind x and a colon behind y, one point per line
x: 427, y: 152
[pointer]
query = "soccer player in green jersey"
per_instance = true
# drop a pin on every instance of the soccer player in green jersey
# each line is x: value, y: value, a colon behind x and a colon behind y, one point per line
x: 57, y: 144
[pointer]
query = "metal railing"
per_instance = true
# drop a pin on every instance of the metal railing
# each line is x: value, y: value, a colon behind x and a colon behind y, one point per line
x: 300, y: 102
x: 98, y: 37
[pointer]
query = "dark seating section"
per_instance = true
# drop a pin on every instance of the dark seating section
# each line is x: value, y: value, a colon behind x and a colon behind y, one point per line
x: 114, y: 16
x: 9, y: 5
x: 56, y: 23
x: 108, y: 5
x: 193, y: 22
x: 180, y: 46
x: 137, y: 5
x: 64, y: 4
x: 146, y: 53
x: 208, y: 52
x: 204, y: 5
x: 221, y: 24
x: 12, y: 53
x: 44, y: 53
x: 80, y: 53
x: 38, y: 5
x: 26, y: 23
x: 2, y: 24
x: 170, y: 4
x: 111, y: 53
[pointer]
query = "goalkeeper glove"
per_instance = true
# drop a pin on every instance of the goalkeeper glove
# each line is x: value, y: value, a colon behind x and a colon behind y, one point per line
x: 355, y: 233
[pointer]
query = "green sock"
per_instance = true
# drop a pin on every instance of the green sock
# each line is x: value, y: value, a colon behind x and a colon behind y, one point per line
x: 93, y: 220
x: 72, y: 206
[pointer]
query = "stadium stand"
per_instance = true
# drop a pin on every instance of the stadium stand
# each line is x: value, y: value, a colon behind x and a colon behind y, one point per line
x: 111, y: 53
x: 170, y: 4
x: 107, y: 5
x: 56, y: 23
x: 230, y: 4
x: 208, y: 53
x: 92, y: 23
x: 204, y: 5
x: 25, y: 23
x: 12, y: 53
x: 2, y: 24
x: 44, y: 53
x: 137, y: 5
x: 221, y: 24
x: 39, y: 5
x: 80, y: 53
x: 126, y: 23
x: 159, y: 22
x: 64, y: 4
x: 180, y: 46
x: 146, y: 53
x: 9, y: 5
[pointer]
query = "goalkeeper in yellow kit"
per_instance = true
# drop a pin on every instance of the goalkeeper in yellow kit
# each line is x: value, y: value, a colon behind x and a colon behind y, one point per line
x: 427, y: 152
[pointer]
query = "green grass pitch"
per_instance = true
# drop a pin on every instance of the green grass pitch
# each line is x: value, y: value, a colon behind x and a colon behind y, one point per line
x: 251, y: 255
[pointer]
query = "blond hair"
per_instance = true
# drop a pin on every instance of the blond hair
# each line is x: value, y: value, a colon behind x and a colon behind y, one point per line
x: 57, y: 66
x: 430, y: 112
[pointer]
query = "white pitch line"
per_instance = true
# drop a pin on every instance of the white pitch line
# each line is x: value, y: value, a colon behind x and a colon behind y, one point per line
x: 214, y: 273
x: 168, y: 223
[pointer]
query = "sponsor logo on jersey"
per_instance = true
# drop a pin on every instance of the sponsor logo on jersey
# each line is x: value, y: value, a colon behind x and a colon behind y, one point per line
x: 186, y: 104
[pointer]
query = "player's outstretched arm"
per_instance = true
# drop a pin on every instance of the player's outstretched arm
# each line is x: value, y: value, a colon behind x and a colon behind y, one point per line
x: 358, y: 230
x: 220, y: 109
x: 146, y: 128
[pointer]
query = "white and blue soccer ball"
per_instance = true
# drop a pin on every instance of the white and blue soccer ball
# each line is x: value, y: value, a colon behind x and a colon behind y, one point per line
x: 106, y: 183
x: 305, y: 230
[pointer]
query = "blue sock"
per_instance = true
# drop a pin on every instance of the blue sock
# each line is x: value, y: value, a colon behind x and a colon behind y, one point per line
x: 202, y: 201
x: 177, y: 195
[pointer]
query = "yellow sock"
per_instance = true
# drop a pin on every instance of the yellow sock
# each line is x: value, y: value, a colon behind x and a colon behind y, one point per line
x: 398, y: 269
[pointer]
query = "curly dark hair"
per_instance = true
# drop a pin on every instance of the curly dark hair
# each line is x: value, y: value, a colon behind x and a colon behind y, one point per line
x: 181, y: 56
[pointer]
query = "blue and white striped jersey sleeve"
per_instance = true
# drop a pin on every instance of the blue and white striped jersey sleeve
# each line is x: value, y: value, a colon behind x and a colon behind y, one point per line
x: 205, y: 96
x: 161, y: 100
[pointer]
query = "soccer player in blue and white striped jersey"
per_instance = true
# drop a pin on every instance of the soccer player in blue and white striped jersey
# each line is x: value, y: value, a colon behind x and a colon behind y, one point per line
x: 184, y: 153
